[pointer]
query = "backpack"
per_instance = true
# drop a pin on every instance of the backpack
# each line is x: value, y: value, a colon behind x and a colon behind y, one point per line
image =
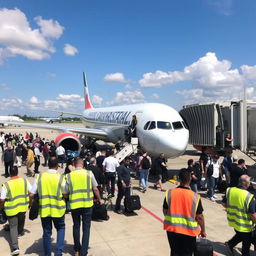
x: 145, y: 163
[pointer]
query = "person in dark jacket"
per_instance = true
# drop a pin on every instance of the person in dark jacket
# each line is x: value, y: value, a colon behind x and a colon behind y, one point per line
x: 236, y: 171
x: 123, y: 184
x: 8, y: 159
x: 98, y: 174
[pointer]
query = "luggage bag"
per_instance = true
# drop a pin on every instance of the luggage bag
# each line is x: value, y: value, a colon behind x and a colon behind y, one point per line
x: 203, y: 248
x: 99, y: 212
x: 132, y: 203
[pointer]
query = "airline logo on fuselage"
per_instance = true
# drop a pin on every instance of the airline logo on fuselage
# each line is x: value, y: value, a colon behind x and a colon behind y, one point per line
x: 118, y: 117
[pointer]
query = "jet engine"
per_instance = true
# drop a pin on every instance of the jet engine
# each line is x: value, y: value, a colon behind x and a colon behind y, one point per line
x: 69, y: 141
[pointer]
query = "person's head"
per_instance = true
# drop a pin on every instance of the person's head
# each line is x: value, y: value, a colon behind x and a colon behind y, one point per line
x: 228, y: 135
x: 235, y: 158
x: 53, y: 163
x: 103, y: 152
x: 190, y: 162
x: 134, y: 117
x: 229, y: 154
x: 161, y: 155
x: 70, y: 161
x: 244, y: 181
x: 215, y: 157
x: 79, y: 163
x: 127, y: 161
x: 93, y: 161
x: 14, y: 171
x: 184, y: 177
x: 241, y: 163
x: 9, y: 146
x: 144, y: 152
x: 111, y: 152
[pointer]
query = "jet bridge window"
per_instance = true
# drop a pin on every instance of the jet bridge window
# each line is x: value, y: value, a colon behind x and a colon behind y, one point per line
x: 164, y: 125
x: 152, y: 125
x: 177, y: 125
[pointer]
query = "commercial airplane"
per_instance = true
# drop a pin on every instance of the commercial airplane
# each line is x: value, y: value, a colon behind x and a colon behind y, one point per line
x: 160, y: 128
x: 4, y: 120
x: 51, y: 120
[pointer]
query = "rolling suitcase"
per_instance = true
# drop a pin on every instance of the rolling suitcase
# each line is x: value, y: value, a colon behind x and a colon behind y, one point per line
x: 203, y: 248
x: 132, y: 203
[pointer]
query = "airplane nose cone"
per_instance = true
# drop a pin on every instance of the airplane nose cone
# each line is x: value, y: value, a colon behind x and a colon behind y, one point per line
x: 175, y: 144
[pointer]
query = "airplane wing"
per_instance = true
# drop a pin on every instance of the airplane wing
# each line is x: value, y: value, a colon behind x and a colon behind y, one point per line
x: 97, y: 132
x: 66, y: 113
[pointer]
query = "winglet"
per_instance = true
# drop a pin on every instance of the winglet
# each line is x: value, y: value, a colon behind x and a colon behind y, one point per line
x: 88, y: 104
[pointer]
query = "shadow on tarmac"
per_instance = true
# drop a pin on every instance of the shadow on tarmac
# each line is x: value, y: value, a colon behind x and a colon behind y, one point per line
x: 37, y: 248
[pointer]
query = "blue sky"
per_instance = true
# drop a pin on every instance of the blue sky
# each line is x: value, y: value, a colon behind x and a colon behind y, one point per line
x: 173, y: 52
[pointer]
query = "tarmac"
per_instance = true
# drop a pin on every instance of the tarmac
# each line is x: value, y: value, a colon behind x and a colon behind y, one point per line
x: 141, y: 234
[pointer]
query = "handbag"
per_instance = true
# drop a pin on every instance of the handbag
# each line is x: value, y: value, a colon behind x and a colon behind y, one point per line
x: 203, y: 248
x: 3, y: 217
x: 34, y: 209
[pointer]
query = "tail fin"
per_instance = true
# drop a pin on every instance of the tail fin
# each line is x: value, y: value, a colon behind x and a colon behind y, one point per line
x: 88, y: 104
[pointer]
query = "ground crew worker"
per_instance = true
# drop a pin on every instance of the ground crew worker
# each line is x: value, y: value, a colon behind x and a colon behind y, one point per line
x: 241, y: 214
x: 15, y: 201
x: 50, y: 186
x: 81, y: 184
x: 184, y: 219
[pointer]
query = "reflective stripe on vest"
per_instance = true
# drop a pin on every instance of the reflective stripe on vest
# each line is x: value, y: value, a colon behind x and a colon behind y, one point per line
x: 181, y: 218
x: 51, y: 202
x: 80, y: 189
x: 17, y: 199
x: 238, y: 201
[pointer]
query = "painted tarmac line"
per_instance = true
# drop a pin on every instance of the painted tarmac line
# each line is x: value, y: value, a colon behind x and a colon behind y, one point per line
x: 161, y: 220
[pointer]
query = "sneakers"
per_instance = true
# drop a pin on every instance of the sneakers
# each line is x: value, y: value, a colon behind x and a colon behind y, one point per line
x: 143, y: 190
x: 155, y: 186
x: 214, y: 196
x: 212, y: 199
x: 118, y: 211
x: 15, y: 252
x: 229, y: 249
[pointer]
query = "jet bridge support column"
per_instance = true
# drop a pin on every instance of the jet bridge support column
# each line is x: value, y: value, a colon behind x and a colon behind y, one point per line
x: 243, y: 126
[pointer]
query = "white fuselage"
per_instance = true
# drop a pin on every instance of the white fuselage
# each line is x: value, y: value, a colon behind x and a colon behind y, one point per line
x: 160, y: 128
x: 5, y: 119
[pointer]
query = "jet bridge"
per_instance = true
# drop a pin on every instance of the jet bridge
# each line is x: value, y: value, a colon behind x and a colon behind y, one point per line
x: 209, y: 123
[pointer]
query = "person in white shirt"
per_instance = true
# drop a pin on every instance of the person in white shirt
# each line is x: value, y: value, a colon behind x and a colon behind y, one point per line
x: 2, y: 141
x: 109, y: 166
x: 37, y: 158
x: 213, y: 174
x: 60, y: 152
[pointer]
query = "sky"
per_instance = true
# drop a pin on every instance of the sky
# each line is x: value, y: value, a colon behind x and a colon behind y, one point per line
x: 174, y: 52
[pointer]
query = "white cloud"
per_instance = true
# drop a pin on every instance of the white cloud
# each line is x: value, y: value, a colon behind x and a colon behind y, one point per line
x: 115, y: 78
x: 70, y: 97
x: 128, y: 97
x: 10, y: 104
x: 33, y: 100
x: 70, y: 50
x: 155, y: 96
x: 249, y: 72
x: 49, y: 28
x: 207, y: 71
x: 97, y: 100
x: 17, y: 37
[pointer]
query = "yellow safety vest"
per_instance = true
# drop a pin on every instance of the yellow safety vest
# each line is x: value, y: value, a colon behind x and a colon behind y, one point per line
x: 17, y: 199
x: 80, y: 189
x: 238, y: 201
x: 51, y: 202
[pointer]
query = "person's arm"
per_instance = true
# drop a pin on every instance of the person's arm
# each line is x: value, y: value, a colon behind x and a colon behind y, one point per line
x: 97, y: 194
x: 165, y: 211
x: 2, y: 204
x: 200, y: 220
x: 253, y: 217
x: 121, y: 175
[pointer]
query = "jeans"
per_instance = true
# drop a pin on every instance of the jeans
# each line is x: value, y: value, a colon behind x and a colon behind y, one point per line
x: 122, y: 192
x: 8, y: 166
x: 144, y: 177
x: 243, y: 237
x: 181, y: 245
x: 193, y: 187
x: 46, y: 158
x: 59, y: 224
x: 86, y: 215
x: 16, y: 223
x: 37, y: 164
x: 61, y: 159
x: 111, y: 178
x: 212, y: 184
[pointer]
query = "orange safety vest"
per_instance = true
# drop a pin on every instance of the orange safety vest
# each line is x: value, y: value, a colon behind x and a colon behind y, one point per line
x: 181, y: 214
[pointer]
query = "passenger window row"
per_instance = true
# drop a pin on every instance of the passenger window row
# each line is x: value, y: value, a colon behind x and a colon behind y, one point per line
x: 150, y: 125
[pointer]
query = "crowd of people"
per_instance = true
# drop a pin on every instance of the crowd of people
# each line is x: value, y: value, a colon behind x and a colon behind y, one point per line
x: 86, y: 178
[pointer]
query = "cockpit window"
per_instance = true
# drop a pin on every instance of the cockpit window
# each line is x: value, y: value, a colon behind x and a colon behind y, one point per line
x: 146, y: 125
x: 177, y: 125
x: 164, y: 125
x: 152, y: 125
x: 185, y: 125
